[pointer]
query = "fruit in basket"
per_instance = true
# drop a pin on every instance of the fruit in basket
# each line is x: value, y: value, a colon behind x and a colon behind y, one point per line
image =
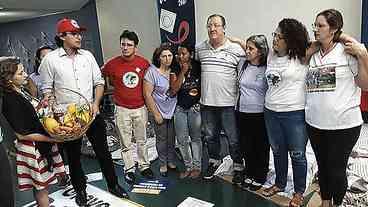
x: 51, y: 124
x: 69, y: 124
x: 68, y: 118
x: 86, y: 117
x: 83, y: 115
x: 65, y: 122
x: 71, y: 108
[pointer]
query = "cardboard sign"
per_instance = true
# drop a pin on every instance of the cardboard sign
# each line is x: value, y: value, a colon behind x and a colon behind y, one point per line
x: 150, y: 186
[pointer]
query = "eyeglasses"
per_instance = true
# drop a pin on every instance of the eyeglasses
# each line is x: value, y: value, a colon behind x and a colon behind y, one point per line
x: 124, y: 44
x: 209, y: 26
x: 277, y: 35
x: 74, y: 34
x: 318, y: 26
x: 166, y: 56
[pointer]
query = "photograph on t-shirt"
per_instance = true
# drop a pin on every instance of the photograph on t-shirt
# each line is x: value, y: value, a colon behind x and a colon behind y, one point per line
x: 321, y: 78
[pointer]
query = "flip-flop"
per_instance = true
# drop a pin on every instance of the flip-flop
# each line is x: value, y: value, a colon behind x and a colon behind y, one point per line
x: 268, y: 192
x: 297, y: 200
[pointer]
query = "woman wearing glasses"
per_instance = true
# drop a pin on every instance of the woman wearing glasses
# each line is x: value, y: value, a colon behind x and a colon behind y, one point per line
x: 284, y: 106
x: 332, y: 108
x: 162, y: 105
x: 250, y: 105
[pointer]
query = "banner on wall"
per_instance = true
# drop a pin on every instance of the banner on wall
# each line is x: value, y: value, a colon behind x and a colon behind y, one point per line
x: 177, y: 21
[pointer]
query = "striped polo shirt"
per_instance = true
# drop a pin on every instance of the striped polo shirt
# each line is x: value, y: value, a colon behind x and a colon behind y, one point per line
x: 219, y: 73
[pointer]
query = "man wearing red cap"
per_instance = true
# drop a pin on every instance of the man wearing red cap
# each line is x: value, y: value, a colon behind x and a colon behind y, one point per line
x: 71, y: 67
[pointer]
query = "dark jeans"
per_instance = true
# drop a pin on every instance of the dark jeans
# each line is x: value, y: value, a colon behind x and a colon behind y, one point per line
x: 97, y: 136
x: 254, y: 145
x: 332, y: 149
x: 6, y: 181
x: 213, y: 119
x: 61, y: 151
x: 165, y: 141
x: 287, y: 134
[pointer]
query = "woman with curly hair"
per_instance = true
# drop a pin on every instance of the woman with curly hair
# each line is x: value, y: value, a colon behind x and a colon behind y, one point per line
x: 284, y: 106
x: 38, y: 160
x: 332, y: 108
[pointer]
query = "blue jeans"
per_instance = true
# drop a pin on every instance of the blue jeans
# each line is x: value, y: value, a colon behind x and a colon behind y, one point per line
x: 213, y: 120
x: 287, y: 134
x: 188, y: 131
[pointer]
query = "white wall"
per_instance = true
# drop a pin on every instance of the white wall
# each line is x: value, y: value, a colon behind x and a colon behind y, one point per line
x: 114, y: 16
x: 245, y: 17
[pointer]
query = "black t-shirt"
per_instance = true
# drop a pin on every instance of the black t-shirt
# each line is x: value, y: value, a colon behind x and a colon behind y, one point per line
x: 190, y: 91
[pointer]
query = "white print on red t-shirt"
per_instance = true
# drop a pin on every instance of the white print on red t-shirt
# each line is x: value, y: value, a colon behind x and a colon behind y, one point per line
x: 130, y: 79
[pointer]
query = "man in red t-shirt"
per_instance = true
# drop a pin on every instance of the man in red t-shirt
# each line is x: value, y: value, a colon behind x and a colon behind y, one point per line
x: 126, y: 73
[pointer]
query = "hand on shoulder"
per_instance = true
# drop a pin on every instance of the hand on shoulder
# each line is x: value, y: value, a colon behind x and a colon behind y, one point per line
x: 236, y: 40
x: 356, y: 49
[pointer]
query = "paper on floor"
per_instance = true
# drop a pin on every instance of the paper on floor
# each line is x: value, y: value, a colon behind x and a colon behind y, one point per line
x: 194, y: 202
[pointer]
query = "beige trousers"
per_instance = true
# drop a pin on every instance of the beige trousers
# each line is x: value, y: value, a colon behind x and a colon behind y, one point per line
x: 131, y: 124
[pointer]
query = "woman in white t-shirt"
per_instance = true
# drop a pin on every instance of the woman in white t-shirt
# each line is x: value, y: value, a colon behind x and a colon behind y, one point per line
x: 284, y: 106
x: 332, y: 108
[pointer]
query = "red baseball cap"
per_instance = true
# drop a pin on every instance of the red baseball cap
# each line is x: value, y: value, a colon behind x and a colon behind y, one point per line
x: 68, y: 25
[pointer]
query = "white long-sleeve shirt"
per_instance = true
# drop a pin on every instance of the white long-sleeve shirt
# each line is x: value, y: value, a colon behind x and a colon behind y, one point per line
x: 80, y: 73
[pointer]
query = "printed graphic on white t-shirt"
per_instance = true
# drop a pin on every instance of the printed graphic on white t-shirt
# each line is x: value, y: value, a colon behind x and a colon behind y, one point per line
x: 321, y: 78
x: 273, y: 78
x: 130, y: 79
